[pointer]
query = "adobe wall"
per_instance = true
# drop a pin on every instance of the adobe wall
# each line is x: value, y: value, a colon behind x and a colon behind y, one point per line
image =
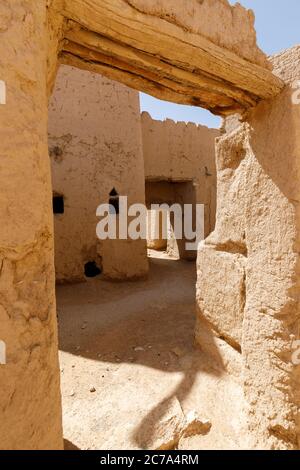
x: 95, y: 145
x: 230, y: 22
x: 248, y: 269
x: 30, y: 404
x: 176, y: 151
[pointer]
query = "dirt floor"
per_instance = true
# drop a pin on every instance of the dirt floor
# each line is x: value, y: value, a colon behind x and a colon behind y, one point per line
x: 130, y: 371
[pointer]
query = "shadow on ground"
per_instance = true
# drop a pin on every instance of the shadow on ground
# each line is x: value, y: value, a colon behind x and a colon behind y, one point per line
x: 132, y: 330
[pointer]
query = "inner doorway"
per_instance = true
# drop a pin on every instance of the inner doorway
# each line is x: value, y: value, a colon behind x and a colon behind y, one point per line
x: 162, y: 230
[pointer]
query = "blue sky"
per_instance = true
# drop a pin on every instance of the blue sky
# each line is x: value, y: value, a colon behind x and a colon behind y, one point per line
x: 277, y: 26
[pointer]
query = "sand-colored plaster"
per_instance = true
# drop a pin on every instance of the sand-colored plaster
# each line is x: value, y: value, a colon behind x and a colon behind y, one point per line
x: 29, y: 383
x: 95, y: 146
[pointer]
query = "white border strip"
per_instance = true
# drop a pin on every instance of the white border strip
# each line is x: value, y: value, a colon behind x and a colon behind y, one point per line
x: 2, y: 353
x: 2, y: 92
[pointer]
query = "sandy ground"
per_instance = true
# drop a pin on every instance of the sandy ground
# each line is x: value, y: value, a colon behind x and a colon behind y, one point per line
x: 128, y: 361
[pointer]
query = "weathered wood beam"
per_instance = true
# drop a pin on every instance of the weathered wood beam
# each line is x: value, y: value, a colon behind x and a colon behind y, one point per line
x: 202, y: 88
x: 134, y: 81
x: 161, y: 58
x: 150, y: 81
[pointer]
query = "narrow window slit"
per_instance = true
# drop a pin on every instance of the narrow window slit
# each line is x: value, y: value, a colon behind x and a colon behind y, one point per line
x: 114, y: 200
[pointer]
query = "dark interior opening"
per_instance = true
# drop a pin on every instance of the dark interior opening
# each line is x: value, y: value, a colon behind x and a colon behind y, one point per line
x: 113, y: 192
x: 91, y: 269
x: 58, y: 205
x: 114, y: 200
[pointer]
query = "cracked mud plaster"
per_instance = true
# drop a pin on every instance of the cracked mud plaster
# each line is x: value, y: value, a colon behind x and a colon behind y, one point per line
x: 29, y: 392
x: 258, y: 209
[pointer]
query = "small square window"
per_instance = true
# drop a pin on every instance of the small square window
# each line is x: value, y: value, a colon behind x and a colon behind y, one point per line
x: 58, y: 205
